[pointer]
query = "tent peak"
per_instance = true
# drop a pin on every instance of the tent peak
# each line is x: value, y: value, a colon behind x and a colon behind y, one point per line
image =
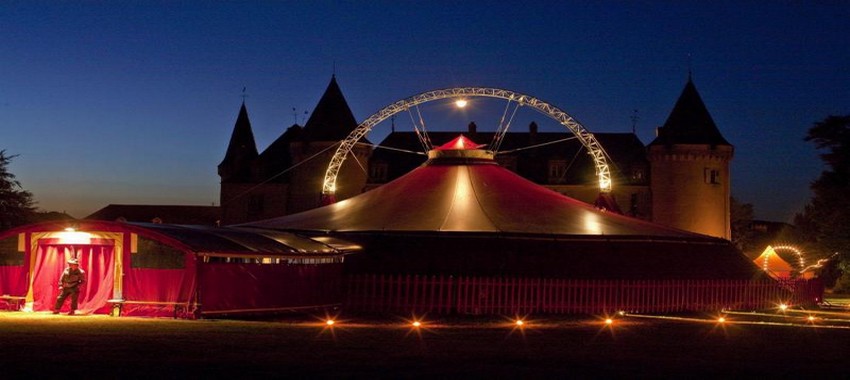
x: 460, y: 147
x: 460, y: 143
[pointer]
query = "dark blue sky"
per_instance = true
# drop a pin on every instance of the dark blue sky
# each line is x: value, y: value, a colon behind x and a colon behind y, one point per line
x: 134, y: 102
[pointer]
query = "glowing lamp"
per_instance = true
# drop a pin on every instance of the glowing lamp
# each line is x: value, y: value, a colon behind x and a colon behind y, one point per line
x: 74, y: 237
x: 519, y: 322
x: 460, y: 103
x: 721, y: 320
x: 330, y: 322
x: 783, y: 307
x: 811, y: 318
x: 416, y: 324
x: 609, y: 321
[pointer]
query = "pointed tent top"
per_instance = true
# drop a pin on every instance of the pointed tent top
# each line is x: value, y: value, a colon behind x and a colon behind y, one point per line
x: 460, y: 143
x: 689, y: 122
x: 242, y: 148
x: 332, y: 119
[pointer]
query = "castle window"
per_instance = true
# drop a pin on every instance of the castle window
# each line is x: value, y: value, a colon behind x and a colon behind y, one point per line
x: 637, y: 175
x: 256, y: 205
x: 378, y: 172
x: 557, y: 171
x: 711, y: 176
x: 633, y: 205
x: 507, y: 162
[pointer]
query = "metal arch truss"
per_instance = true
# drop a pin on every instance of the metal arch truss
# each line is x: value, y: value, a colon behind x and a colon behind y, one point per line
x: 590, y: 143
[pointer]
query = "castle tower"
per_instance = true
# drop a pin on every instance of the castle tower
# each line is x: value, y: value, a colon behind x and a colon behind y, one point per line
x: 235, y: 170
x: 689, y: 169
x: 330, y: 122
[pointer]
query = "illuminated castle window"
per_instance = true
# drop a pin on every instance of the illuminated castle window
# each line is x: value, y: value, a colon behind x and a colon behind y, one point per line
x: 712, y: 176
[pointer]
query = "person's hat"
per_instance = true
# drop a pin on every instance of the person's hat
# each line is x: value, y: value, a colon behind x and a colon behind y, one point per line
x: 73, y: 261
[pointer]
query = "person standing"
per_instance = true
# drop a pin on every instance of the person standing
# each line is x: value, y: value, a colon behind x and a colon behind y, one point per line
x: 69, y: 285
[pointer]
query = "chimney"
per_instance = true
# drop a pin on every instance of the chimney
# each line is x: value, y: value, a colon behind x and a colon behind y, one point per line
x: 473, y: 129
x: 532, y: 133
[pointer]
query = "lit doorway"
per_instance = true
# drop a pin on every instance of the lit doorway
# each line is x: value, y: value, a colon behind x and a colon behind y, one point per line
x: 98, y: 262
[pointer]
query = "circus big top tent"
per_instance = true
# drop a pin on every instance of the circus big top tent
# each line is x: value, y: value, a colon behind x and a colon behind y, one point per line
x: 461, y: 213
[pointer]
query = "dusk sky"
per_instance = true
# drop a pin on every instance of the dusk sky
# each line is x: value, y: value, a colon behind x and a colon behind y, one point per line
x: 133, y: 102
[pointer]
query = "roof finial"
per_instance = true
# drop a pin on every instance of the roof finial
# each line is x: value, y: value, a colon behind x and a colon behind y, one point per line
x: 244, y: 95
x: 690, y: 68
x: 635, y: 119
x: 333, y: 75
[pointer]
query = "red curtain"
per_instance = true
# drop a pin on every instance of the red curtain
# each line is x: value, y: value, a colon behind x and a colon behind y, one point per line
x: 96, y: 260
x: 13, y: 280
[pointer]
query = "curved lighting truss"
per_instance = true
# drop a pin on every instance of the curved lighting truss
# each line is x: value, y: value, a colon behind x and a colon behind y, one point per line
x: 801, y: 261
x: 587, y: 139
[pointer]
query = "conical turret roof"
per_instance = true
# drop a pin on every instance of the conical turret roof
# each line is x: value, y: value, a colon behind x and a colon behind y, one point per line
x: 689, y: 122
x: 332, y: 119
x: 241, y: 150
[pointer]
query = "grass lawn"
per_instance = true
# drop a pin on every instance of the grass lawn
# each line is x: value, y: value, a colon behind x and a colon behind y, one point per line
x: 38, y: 346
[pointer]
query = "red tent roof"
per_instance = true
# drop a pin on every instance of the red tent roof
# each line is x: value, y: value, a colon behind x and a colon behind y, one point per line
x: 453, y: 193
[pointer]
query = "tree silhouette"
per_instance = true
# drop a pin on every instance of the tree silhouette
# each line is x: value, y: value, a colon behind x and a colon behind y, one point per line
x: 825, y: 220
x: 16, y: 204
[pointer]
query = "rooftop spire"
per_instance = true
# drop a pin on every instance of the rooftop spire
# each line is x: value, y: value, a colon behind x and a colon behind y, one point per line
x: 689, y: 122
x: 332, y: 119
x: 241, y: 151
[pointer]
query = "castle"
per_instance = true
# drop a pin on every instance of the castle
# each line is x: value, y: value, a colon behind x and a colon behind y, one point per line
x: 680, y: 179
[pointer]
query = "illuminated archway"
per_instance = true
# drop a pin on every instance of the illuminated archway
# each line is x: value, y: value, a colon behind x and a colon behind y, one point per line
x: 801, y: 261
x: 587, y: 139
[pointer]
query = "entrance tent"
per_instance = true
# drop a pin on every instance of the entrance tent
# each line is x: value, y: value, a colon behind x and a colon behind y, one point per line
x: 461, y: 213
x: 771, y: 263
x: 170, y: 270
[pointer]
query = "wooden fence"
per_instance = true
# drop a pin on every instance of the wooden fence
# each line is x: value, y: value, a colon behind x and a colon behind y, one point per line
x: 506, y: 295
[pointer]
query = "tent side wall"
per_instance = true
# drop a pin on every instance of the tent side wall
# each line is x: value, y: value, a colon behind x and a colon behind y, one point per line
x: 13, y: 271
x: 250, y: 288
x: 160, y: 279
